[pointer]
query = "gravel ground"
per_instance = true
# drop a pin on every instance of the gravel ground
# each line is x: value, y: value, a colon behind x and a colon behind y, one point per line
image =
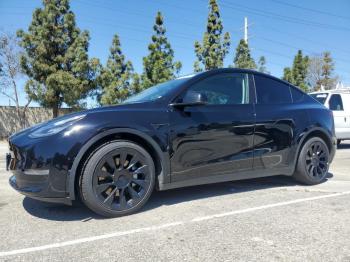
x: 269, y: 219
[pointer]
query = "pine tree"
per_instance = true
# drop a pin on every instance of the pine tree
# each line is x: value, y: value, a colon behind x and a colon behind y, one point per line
x: 159, y: 65
x: 287, y: 75
x: 262, y: 65
x: 328, y: 81
x: 136, y: 85
x: 214, y: 48
x: 298, y: 73
x: 243, y: 58
x: 56, y: 57
x: 115, y: 78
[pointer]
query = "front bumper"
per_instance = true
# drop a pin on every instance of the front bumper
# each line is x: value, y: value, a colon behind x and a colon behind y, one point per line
x: 33, y: 186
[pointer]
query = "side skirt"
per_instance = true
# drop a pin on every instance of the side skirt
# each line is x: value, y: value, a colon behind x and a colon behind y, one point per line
x: 226, y: 177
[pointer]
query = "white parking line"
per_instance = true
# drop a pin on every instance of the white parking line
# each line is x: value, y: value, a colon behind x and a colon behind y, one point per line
x: 153, y: 228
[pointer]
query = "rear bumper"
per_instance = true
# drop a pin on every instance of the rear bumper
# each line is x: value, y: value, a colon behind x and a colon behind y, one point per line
x: 34, y: 186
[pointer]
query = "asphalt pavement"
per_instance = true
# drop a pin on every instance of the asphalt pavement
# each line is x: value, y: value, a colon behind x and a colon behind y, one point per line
x: 268, y: 219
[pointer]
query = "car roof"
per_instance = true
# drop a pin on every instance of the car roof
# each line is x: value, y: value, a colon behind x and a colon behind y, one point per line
x: 333, y: 91
x: 239, y: 70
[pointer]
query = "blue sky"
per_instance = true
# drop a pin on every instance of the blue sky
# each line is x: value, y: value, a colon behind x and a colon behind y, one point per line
x: 277, y: 28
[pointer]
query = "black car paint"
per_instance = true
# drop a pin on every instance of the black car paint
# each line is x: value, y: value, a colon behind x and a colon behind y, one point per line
x: 194, y: 145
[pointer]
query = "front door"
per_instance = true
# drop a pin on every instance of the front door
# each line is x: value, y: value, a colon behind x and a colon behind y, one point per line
x: 217, y: 138
x: 335, y: 103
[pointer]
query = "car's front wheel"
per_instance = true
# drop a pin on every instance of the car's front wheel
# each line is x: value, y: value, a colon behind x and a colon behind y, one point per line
x: 118, y: 179
x: 313, y: 162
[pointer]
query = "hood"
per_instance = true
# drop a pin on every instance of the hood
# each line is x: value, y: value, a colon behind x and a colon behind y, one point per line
x: 120, y: 107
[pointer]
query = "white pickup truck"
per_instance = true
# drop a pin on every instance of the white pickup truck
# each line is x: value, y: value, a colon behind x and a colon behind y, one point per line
x: 337, y: 100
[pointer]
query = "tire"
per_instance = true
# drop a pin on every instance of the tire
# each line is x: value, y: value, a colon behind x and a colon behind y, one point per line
x: 118, y: 179
x: 313, y: 162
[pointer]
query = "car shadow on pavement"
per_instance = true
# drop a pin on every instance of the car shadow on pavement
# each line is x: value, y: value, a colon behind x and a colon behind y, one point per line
x: 78, y: 211
x: 343, y: 146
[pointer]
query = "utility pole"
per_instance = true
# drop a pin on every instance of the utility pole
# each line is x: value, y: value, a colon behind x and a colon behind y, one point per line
x: 246, y: 30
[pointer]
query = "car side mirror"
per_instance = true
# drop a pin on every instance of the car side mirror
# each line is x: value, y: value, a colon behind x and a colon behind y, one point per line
x: 191, y: 98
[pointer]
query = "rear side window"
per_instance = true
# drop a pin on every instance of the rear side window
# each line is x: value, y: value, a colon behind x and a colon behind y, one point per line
x: 336, y: 103
x: 270, y: 91
x: 297, y: 94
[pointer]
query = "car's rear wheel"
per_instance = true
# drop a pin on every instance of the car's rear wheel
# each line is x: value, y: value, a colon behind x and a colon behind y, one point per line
x: 313, y: 162
x: 118, y: 179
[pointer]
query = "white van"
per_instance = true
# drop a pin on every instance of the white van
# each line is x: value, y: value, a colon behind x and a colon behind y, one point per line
x: 337, y: 100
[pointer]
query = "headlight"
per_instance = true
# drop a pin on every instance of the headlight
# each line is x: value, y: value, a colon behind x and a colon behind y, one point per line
x: 55, y: 126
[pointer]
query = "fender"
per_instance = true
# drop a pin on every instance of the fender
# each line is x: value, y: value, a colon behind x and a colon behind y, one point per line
x: 305, y: 134
x: 163, y: 177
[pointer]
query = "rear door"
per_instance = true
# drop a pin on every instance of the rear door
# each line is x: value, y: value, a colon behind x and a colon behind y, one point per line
x: 335, y: 103
x: 278, y: 120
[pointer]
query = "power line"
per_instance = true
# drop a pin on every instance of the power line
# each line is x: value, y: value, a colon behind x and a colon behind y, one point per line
x: 338, y: 69
x: 311, y: 9
x: 264, y: 13
x: 132, y: 12
x: 310, y: 52
x: 305, y: 39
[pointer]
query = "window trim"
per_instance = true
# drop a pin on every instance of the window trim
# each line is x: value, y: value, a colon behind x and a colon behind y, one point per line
x: 273, y: 79
x: 250, y: 88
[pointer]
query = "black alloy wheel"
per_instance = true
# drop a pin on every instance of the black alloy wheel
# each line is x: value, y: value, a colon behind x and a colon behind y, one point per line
x: 317, y: 160
x: 313, y: 162
x: 118, y: 179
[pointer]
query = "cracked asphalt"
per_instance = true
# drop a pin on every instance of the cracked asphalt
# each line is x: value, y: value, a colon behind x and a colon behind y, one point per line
x: 269, y: 219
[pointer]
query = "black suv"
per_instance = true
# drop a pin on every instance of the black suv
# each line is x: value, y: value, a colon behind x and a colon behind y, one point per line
x: 215, y: 126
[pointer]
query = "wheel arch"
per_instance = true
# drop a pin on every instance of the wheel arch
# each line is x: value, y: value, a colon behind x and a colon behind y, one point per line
x: 159, y: 157
x: 314, y: 132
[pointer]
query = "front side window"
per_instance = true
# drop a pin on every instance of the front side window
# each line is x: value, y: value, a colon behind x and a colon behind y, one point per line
x: 336, y: 103
x: 270, y: 91
x: 224, y: 89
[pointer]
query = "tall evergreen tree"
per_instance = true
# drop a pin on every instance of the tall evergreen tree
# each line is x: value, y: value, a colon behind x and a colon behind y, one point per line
x: 243, y: 58
x: 262, y: 65
x: 159, y: 65
x: 115, y: 78
x: 215, y: 46
x: 328, y: 81
x: 56, y: 57
x: 298, y: 73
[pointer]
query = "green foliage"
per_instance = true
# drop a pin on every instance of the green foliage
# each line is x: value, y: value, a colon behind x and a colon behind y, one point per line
x: 115, y: 78
x: 56, y: 57
x: 327, y: 80
x: 159, y: 65
x: 243, y: 58
x: 214, y: 48
x: 262, y: 65
x: 136, y: 85
x: 298, y: 73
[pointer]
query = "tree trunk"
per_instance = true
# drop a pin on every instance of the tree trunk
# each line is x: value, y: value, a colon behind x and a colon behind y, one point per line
x: 55, y: 111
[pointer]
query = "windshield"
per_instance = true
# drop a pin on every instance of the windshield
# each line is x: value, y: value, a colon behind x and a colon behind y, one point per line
x: 320, y: 97
x: 157, y: 91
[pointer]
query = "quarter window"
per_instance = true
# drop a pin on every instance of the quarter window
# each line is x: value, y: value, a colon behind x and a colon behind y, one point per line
x: 270, y: 91
x: 336, y: 103
x: 297, y: 94
x: 224, y: 89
